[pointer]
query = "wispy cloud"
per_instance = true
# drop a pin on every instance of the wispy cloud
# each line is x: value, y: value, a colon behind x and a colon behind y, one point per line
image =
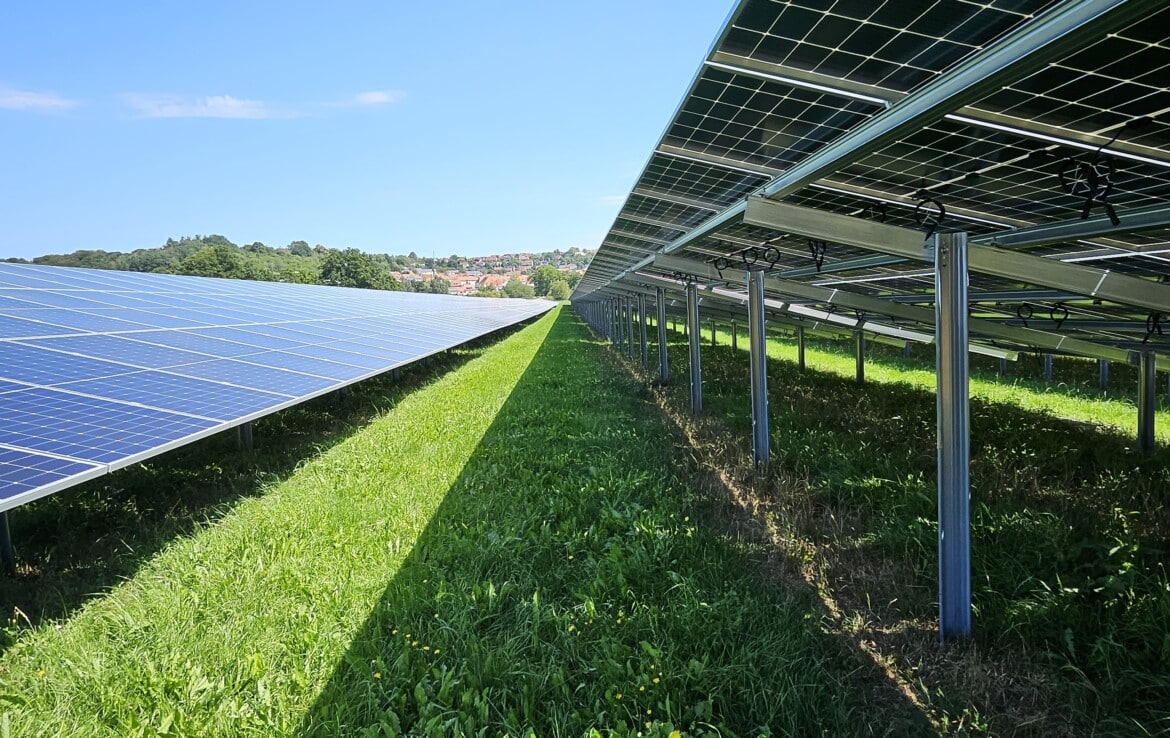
x: 370, y: 99
x: 378, y: 97
x: 211, y: 106
x: 11, y: 99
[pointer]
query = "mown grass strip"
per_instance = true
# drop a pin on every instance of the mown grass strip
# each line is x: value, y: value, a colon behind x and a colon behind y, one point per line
x: 233, y: 631
x: 510, y: 550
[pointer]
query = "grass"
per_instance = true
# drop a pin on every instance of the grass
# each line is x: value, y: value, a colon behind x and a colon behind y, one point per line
x: 519, y: 546
x: 1070, y: 530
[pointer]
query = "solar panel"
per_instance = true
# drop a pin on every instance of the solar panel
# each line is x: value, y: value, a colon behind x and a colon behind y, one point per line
x: 101, y: 369
x: 1010, y: 115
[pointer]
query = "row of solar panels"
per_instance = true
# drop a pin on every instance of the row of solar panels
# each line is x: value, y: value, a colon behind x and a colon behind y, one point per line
x: 102, y: 369
x: 816, y: 136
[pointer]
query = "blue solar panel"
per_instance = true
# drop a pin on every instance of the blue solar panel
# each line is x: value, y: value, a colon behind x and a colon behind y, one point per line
x: 181, y: 394
x: 253, y: 375
x: 30, y: 364
x: 248, y: 338
x: 121, y: 350
x: 99, y: 369
x: 22, y: 472
x: 87, y: 428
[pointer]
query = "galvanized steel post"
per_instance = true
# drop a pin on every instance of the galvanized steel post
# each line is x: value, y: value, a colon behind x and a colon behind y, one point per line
x: 1147, y: 401
x: 694, y: 338
x: 954, y: 436
x: 1048, y: 366
x: 1103, y: 374
x: 859, y: 351
x: 800, y: 346
x: 734, y: 336
x: 758, y: 358
x: 642, y: 328
x: 663, y: 367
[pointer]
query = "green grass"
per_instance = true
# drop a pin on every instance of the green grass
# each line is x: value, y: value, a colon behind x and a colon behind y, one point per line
x: 513, y: 548
x: 1070, y: 530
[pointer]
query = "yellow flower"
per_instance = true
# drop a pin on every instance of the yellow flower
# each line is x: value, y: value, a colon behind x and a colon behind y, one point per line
x: 414, y: 644
x: 394, y: 632
x: 642, y: 688
x: 40, y: 672
x: 426, y: 648
x: 657, y: 680
x: 618, y: 695
x: 377, y: 675
x: 675, y: 734
x: 436, y: 652
x: 649, y: 711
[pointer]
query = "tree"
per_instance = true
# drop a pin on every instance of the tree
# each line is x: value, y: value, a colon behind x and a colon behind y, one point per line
x: 353, y: 268
x: 516, y: 288
x: 559, y: 290
x: 300, y: 248
x: 218, y: 261
x: 542, y: 277
x: 572, y: 279
x: 439, y: 286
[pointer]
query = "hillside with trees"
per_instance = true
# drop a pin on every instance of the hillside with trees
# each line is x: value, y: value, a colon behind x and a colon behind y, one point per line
x: 525, y: 275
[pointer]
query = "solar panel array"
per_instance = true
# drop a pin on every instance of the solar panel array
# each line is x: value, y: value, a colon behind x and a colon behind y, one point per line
x: 101, y: 369
x: 1012, y: 116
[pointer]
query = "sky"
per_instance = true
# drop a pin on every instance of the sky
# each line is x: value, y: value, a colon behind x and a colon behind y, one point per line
x: 460, y: 127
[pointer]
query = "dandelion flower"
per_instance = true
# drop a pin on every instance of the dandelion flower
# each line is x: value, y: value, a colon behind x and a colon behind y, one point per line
x: 377, y: 675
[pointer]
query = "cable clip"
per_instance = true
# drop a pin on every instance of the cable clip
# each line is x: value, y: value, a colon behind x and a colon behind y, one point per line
x: 817, y: 249
x: 1091, y: 179
x: 1024, y: 313
x: 1153, y: 325
x: 1058, y: 313
x: 929, y: 213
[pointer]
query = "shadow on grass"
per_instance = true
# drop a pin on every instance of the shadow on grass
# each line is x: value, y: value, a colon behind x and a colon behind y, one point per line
x: 561, y: 585
x: 1070, y: 530
x: 75, y: 544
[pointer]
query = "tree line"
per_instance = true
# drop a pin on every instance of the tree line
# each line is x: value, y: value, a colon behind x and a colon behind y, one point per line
x: 216, y: 256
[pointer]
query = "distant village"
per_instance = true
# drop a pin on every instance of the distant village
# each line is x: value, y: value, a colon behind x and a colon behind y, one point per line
x: 468, y: 275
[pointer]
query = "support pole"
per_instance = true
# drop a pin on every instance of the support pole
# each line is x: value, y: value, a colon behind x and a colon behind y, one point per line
x: 954, y: 436
x: 800, y: 347
x: 859, y: 352
x: 906, y: 350
x: 694, y: 339
x: 734, y: 336
x: 757, y: 342
x: 629, y: 327
x: 663, y: 367
x: 395, y: 374
x: 712, y: 331
x: 244, y: 436
x: 642, y: 319
x: 7, y: 555
x: 1048, y: 367
x: 1103, y: 374
x: 1002, y: 367
x: 1147, y: 401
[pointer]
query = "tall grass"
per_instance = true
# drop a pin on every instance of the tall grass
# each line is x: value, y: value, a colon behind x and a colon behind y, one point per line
x: 1070, y: 531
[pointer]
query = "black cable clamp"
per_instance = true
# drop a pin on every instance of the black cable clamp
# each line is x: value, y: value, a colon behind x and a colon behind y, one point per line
x: 818, y: 249
x: 1153, y: 325
x: 720, y: 263
x: 1091, y: 179
x: 929, y: 218
x: 1058, y: 313
x: 1024, y: 313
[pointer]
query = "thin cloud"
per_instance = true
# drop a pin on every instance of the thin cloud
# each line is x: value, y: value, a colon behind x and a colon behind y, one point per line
x: 33, y: 101
x: 369, y: 99
x: 378, y: 97
x: 211, y: 106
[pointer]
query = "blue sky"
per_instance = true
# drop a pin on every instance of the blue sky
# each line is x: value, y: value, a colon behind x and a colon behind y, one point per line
x: 456, y: 127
